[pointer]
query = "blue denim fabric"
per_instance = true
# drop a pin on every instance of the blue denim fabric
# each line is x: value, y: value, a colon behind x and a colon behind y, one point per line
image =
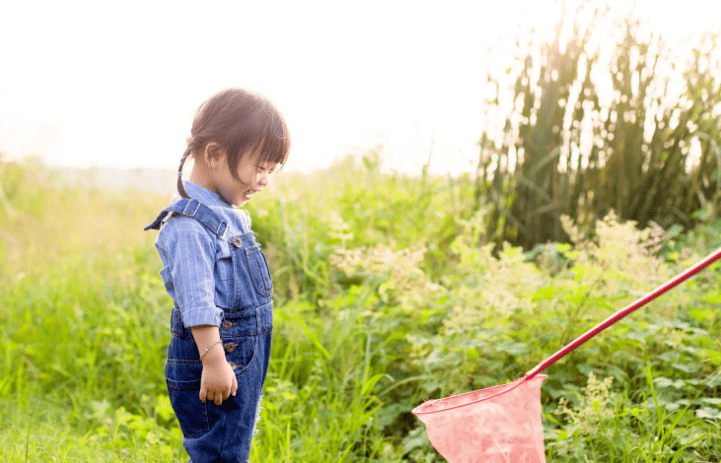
x: 215, y: 434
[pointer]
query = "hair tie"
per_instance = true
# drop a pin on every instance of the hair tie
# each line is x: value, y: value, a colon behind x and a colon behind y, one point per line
x: 180, y: 173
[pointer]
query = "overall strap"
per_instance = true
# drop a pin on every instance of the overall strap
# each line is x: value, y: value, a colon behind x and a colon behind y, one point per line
x: 195, y: 209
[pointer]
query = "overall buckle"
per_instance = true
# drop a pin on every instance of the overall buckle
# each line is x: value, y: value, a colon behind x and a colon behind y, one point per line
x: 190, y: 206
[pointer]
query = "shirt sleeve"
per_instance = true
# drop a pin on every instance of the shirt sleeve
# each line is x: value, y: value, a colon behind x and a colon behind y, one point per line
x: 189, y: 261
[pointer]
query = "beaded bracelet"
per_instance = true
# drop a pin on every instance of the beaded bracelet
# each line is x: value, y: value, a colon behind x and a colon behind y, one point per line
x: 208, y: 348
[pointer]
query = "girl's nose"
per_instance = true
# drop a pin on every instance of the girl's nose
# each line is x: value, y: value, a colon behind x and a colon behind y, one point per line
x: 263, y: 180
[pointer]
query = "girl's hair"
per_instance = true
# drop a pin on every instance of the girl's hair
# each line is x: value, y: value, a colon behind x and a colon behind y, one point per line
x: 240, y: 121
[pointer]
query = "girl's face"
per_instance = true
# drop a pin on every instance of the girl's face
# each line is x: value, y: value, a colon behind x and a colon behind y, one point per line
x: 254, y: 176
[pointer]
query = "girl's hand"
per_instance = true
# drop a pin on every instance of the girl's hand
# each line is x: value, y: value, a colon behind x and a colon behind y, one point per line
x: 218, y: 381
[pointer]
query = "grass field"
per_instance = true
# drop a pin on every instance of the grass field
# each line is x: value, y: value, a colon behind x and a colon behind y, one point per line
x: 383, y: 299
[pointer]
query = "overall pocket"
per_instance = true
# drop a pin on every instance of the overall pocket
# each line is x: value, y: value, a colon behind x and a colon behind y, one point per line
x: 259, y: 272
x: 183, y: 372
x: 192, y: 414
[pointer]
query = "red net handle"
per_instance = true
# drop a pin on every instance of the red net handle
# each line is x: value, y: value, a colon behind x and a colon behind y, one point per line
x: 623, y: 312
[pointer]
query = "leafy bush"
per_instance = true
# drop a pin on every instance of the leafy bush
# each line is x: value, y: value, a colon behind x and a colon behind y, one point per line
x: 373, y: 316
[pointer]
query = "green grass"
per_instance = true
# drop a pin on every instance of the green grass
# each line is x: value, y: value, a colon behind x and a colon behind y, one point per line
x: 383, y: 299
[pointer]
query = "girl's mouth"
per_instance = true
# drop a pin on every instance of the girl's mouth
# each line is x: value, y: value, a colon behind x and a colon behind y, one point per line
x: 249, y: 194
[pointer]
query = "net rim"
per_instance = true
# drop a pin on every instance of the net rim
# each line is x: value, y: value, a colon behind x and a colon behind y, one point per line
x: 417, y: 410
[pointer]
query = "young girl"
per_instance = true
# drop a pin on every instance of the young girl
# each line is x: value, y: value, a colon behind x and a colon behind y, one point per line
x: 215, y: 272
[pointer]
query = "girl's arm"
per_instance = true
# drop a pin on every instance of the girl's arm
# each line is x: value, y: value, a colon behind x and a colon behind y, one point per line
x: 190, y: 257
x: 218, y: 379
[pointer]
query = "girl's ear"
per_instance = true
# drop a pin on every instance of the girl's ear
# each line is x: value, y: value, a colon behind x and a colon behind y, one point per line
x: 213, y: 155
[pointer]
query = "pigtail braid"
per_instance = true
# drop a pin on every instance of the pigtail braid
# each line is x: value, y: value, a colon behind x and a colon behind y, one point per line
x: 181, y: 189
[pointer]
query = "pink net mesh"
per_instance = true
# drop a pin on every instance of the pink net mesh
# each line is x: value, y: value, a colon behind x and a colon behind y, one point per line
x: 500, y: 424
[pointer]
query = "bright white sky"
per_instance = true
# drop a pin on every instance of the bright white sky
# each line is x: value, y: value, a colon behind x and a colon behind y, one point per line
x: 89, y: 83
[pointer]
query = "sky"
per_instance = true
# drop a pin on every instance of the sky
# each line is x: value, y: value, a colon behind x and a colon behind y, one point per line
x: 116, y: 84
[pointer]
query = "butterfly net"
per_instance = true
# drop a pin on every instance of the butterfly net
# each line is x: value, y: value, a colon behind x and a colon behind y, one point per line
x: 500, y: 424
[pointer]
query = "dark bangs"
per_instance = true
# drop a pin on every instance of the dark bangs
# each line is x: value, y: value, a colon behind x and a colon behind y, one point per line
x: 256, y: 126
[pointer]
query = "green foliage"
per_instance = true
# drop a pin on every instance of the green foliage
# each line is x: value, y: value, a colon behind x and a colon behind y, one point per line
x: 384, y: 299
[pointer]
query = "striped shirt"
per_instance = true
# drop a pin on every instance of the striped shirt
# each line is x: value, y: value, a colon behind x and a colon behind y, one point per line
x: 189, y: 251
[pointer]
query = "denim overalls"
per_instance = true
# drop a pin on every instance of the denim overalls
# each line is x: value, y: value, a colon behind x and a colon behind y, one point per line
x: 223, y: 433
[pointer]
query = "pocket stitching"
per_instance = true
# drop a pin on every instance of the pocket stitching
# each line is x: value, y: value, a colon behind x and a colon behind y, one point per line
x: 256, y: 250
x: 192, y: 385
x: 246, y: 368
